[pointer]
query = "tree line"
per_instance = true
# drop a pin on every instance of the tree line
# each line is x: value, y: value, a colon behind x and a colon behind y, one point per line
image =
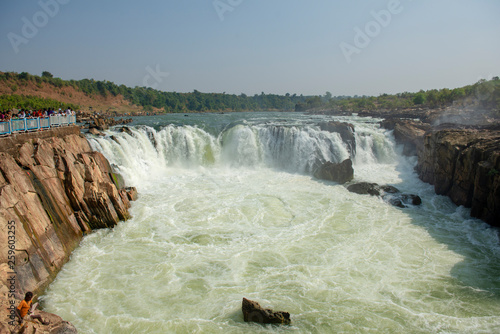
x: 150, y: 98
x: 485, y: 93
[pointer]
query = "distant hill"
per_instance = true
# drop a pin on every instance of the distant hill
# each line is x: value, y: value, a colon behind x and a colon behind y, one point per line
x: 107, y: 97
x: 31, y: 91
x: 58, y: 92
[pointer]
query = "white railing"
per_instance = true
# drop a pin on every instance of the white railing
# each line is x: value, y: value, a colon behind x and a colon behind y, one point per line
x: 33, y: 124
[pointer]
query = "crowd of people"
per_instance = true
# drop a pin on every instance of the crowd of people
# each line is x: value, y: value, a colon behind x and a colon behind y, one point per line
x: 7, y: 115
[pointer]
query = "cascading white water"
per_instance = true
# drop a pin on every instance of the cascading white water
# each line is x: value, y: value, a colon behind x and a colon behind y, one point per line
x: 235, y: 213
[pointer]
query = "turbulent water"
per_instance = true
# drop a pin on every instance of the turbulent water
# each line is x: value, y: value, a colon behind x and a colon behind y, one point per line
x: 228, y: 209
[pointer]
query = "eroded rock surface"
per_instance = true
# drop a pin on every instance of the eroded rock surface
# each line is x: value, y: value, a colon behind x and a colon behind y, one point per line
x: 52, y: 191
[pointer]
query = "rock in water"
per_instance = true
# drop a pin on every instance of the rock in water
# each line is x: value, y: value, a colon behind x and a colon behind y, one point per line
x: 388, y: 193
x: 365, y: 188
x: 253, y: 312
x: 340, y: 173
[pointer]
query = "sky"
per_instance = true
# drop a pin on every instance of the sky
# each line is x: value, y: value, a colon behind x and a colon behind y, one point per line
x: 348, y: 47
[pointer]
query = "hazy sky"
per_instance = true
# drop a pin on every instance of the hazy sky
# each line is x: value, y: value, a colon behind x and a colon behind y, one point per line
x: 250, y: 46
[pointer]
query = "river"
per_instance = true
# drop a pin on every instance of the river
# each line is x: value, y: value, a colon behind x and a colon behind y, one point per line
x: 228, y: 208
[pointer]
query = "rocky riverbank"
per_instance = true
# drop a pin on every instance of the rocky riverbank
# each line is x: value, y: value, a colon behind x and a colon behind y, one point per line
x: 464, y: 164
x: 53, y: 190
x: 461, y: 161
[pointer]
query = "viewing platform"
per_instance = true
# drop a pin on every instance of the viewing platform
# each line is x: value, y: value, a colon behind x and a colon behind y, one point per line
x: 20, y: 125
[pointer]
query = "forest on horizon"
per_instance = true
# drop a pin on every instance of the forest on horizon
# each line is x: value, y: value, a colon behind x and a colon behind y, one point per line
x: 484, y: 93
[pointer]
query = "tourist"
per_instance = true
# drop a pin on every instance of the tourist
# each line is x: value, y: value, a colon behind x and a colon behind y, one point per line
x: 25, y: 309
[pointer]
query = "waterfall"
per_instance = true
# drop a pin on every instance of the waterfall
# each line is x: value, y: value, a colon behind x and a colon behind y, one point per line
x: 143, y: 152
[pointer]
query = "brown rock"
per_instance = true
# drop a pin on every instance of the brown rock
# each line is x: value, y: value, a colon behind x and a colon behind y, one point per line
x: 408, y: 133
x: 54, y: 189
x: 131, y: 193
x: 95, y: 132
x: 253, y: 312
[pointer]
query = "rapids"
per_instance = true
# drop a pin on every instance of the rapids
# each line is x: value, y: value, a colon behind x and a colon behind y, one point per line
x: 228, y: 209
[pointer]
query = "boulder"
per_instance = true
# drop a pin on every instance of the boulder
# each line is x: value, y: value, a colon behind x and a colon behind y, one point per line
x: 253, y: 312
x: 56, y: 325
x: 131, y: 193
x: 95, y: 132
x: 364, y: 188
x: 403, y: 200
x: 340, y: 173
x: 126, y: 129
x: 389, y: 193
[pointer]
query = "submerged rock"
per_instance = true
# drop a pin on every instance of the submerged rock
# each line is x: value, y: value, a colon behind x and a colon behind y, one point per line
x: 96, y: 132
x: 389, y: 193
x: 340, y: 173
x: 253, y: 312
x: 365, y: 188
x: 126, y: 129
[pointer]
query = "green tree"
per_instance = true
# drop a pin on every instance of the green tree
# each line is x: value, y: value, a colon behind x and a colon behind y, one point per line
x: 419, y: 98
x: 46, y: 74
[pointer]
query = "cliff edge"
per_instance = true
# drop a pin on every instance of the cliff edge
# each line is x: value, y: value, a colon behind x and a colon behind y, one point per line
x: 460, y: 161
x: 464, y: 164
x: 53, y: 190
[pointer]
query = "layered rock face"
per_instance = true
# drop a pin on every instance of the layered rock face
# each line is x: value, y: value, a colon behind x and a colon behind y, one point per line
x: 52, y: 191
x: 464, y: 164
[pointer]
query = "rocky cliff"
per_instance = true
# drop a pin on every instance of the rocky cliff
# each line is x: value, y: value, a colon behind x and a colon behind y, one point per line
x: 464, y: 164
x: 461, y: 161
x: 53, y: 190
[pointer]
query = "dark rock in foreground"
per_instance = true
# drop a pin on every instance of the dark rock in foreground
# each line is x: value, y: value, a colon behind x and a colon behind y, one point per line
x: 253, y: 312
x: 340, y: 173
x: 389, y: 193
